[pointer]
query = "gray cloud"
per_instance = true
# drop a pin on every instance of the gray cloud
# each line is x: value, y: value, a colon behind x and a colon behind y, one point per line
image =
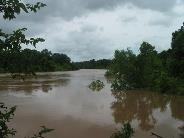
x: 164, y: 23
x: 89, y: 28
x: 128, y: 19
x: 33, y: 27
x: 86, y: 29
x: 83, y: 44
x: 68, y: 9
x: 158, y: 5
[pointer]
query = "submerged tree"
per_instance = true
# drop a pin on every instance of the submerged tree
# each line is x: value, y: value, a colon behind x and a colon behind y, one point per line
x: 123, y: 68
x: 125, y: 132
x: 163, y: 72
x: 96, y: 85
x: 149, y: 65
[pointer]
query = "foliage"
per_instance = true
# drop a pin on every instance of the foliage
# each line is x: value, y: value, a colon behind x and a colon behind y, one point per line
x: 93, y: 64
x: 30, y: 61
x: 5, y: 117
x: 149, y: 65
x: 123, y: 69
x: 11, y: 43
x: 11, y: 55
x: 177, y: 53
x: 149, y: 69
x: 108, y: 73
x: 96, y: 85
x: 11, y: 8
x: 6, y: 114
x: 125, y: 132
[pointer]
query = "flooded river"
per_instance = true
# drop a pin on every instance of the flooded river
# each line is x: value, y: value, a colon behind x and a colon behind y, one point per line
x: 64, y: 102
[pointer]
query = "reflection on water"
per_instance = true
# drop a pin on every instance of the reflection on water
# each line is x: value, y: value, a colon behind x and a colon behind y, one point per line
x: 141, y: 106
x: 43, y: 82
x: 64, y: 102
x: 182, y: 131
x: 177, y: 109
x: 138, y: 105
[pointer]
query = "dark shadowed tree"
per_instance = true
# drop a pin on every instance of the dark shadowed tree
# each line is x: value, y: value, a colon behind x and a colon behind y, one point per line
x: 12, y: 43
x: 177, y: 53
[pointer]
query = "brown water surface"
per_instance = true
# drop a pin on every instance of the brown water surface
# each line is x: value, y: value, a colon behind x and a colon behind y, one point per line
x: 63, y: 101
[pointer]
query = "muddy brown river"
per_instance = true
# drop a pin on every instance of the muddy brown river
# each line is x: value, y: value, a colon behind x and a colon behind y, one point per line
x: 63, y: 101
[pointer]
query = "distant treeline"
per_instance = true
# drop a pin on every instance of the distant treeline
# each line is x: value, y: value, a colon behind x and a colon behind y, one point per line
x: 163, y: 72
x: 30, y: 61
x: 93, y: 64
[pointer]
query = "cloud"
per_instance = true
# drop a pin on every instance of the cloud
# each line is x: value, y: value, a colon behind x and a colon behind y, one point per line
x: 128, y: 19
x: 80, y: 42
x: 69, y: 9
x: 87, y: 29
x: 156, y: 5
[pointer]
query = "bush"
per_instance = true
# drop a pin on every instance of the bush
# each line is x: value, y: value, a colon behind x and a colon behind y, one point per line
x: 96, y: 85
x: 125, y: 132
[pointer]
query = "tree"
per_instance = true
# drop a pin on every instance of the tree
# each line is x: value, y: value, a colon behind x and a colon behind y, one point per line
x: 12, y: 43
x: 149, y: 69
x: 11, y: 47
x: 177, y: 53
x: 125, y: 132
x: 124, y: 69
x: 93, y: 64
x: 149, y: 65
x: 61, y: 58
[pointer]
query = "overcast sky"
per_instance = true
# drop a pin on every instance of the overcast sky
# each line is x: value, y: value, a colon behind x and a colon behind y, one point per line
x: 87, y: 29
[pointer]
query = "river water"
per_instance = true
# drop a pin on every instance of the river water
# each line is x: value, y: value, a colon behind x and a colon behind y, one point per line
x: 63, y: 101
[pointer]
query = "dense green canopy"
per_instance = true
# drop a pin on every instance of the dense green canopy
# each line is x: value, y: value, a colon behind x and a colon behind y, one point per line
x: 149, y: 69
x: 30, y: 61
x: 93, y: 64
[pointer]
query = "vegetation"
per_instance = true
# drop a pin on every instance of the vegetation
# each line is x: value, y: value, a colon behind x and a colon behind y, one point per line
x: 5, y: 117
x: 96, y: 85
x: 125, y: 132
x: 6, y: 114
x: 11, y: 43
x: 30, y: 61
x: 12, y: 59
x: 93, y: 64
x: 163, y: 72
x: 149, y: 69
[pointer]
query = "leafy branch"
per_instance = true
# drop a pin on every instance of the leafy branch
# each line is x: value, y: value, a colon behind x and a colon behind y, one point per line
x: 11, y: 8
x: 16, y: 39
x: 6, y: 115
